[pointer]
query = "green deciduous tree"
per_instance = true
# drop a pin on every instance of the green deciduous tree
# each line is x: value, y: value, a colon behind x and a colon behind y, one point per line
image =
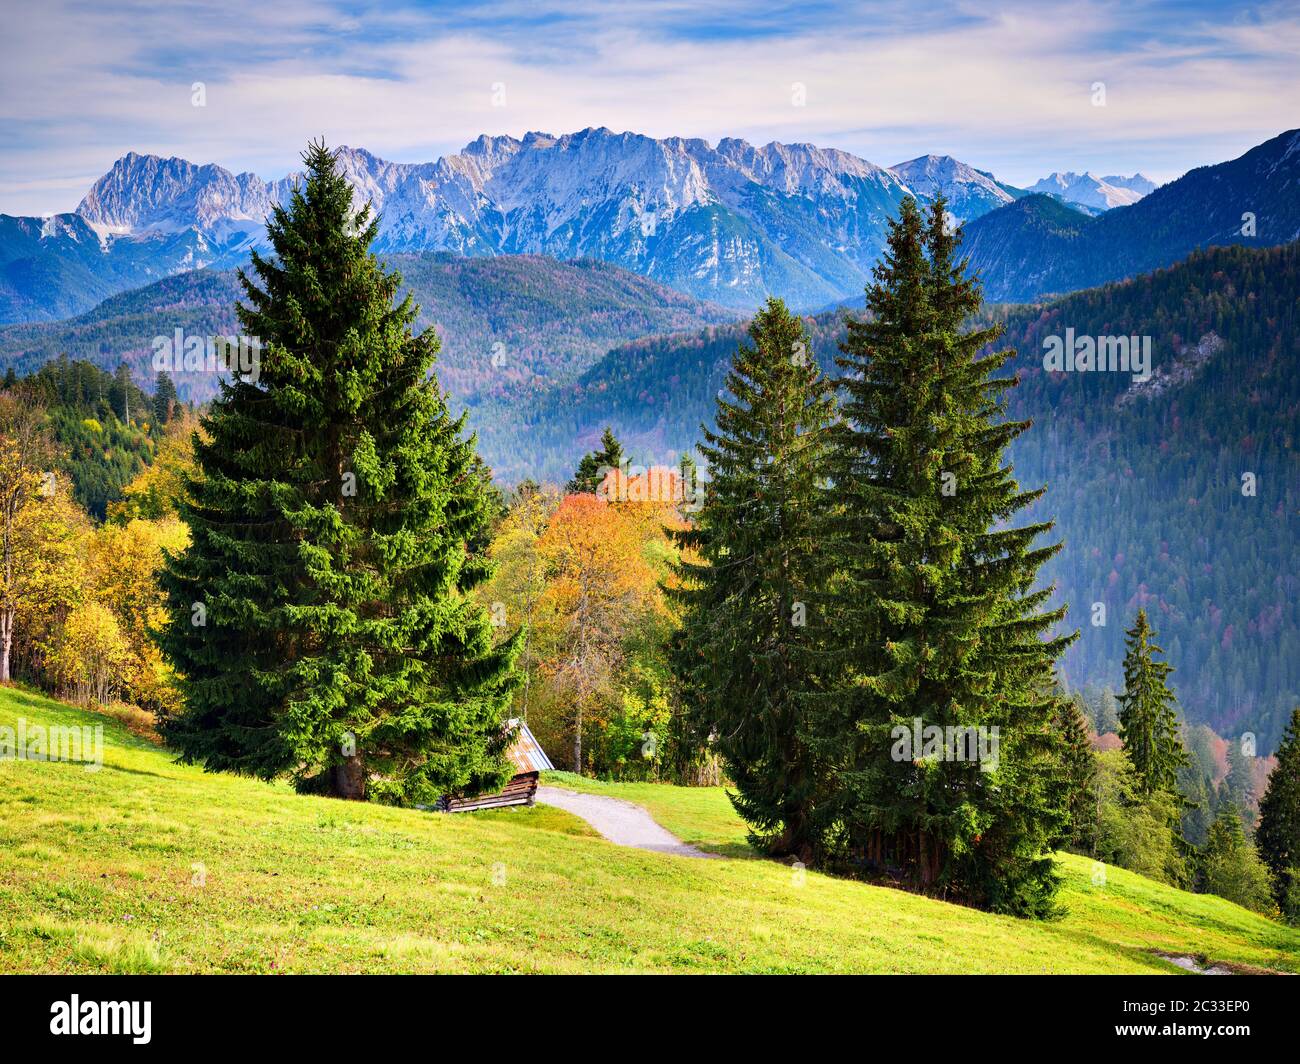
x: 321, y: 617
x: 1135, y: 830
x: 1231, y: 867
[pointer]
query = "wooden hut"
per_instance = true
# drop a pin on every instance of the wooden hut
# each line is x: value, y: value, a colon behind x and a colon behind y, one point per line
x: 529, y: 760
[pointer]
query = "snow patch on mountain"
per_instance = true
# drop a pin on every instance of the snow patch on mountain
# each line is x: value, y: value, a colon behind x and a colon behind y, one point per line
x: 969, y: 192
x: 732, y: 222
x: 1089, y: 190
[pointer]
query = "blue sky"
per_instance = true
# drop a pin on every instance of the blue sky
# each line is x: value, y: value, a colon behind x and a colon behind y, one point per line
x: 1007, y: 88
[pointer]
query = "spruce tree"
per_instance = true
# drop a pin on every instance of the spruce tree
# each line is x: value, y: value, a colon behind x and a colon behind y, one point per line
x: 1107, y: 713
x: 119, y: 393
x: 164, y: 398
x: 1148, y: 722
x: 1238, y: 789
x: 594, y: 465
x: 1278, y: 834
x: 1078, y: 773
x: 321, y: 617
x: 752, y: 581
x: 940, y: 618
x: 1198, y: 810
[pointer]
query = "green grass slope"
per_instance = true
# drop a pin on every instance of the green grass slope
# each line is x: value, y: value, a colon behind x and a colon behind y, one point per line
x: 146, y: 865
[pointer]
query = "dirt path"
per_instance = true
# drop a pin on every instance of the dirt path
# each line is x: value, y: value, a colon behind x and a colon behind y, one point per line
x: 621, y: 822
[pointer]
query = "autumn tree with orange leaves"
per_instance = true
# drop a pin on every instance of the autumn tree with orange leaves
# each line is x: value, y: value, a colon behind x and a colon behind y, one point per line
x: 599, y: 585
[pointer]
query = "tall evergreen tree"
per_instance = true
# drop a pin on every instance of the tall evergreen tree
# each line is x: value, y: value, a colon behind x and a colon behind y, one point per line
x: 119, y: 394
x: 1148, y: 722
x: 164, y: 398
x: 595, y: 464
x: 1107, y: 712
x: 1078, y: 773
x: 1238, y: 788
x: 1198, y: 808
x: 1278, y: 834
x: 321, y: 617
x: 938, y: 607
x: 753, y: 579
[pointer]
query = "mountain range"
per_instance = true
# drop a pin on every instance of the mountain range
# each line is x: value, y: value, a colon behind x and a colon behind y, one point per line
x: 1089, y: 190
x: 729, y: 224
x: 1039, y: 246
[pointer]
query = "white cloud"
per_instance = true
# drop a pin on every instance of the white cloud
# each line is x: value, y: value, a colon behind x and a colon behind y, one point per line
x: 1008, y: 92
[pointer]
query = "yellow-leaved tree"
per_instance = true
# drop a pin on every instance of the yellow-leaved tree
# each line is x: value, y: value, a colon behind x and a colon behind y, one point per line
x: 124, y: 562
x: 90, y: 654
x: 513, y: 593
x: 599, y: 586
x: 156, y: 491
x: 36, y: 535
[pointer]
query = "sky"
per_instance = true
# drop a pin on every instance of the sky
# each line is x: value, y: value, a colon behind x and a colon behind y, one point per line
x: 1009, y: 88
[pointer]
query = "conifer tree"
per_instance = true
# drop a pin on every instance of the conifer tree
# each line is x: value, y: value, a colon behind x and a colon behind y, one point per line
x: 940, y: 618
x: 595, y: 464
x: 1198, y: 808
x: 753, y: 579
x: 1148, y: 723
x: 120, y: 392
x: 1231, y: 867
x: 1238, y: 788
x: 1079, y: 771
x: 164, y: 398
x: 1107, y: 712
x: 321, y: 616
x: 1278, y: 834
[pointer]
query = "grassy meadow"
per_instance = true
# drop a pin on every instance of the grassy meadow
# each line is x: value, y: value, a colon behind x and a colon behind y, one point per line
x: 145, y: 865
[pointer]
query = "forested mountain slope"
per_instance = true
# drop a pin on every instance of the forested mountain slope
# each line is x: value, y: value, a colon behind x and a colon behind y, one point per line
x: 1030, y: 249
x: 1145, y: 481
x: 509, y: 325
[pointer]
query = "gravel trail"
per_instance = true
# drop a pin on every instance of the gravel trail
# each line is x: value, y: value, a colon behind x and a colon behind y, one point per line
x: 621, y: 822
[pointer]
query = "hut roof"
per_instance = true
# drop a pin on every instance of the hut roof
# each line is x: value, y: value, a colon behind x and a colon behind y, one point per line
x: 526, y: 753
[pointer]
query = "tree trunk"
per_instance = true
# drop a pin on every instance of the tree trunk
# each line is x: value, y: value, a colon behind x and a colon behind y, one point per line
x: 6, y: 642
x: 348, y: 779
x: 577, y: 742
x: 527, y: 661
x: 794, y: 842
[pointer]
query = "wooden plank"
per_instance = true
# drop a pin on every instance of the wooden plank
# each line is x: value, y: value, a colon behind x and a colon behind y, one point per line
x: 521, y: 790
